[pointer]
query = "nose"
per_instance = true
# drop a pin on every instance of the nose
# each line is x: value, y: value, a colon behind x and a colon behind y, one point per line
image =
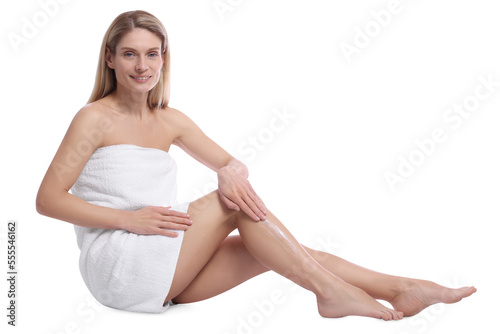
x: 141, y: 65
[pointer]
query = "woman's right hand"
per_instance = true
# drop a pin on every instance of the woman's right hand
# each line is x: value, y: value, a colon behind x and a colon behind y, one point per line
x: 156, y: 220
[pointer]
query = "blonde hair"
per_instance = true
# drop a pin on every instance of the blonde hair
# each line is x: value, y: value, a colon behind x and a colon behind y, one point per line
x: 105, y: 81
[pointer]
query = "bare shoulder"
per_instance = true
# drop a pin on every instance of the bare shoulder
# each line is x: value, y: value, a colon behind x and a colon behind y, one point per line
x: 173, y: 115
x: 91, y: 123
x: 94, y: 116
x: 176, y: 120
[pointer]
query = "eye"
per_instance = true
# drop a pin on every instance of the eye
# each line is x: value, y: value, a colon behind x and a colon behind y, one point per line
x: 128, y: 54
x: 153, y: 55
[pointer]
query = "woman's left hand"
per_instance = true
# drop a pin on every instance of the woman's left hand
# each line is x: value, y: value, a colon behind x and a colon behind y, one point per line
x: 237, y: 193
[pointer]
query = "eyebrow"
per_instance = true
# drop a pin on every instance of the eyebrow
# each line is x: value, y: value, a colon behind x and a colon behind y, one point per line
x: 132, y: 49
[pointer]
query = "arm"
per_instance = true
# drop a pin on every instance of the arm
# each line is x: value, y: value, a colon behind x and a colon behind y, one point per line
x: 53, y: 198
x: 234, y: 189
x: 83, y: 137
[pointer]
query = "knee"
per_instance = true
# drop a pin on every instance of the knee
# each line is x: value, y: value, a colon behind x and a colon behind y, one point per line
x: 206, y: 204
x: 242, y: 217
x: 210, y: 207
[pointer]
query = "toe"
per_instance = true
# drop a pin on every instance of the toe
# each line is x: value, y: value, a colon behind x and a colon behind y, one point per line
x: 396, y: 315
x: 454, y: 295
x: 393, y: 315
x: 469, y: 291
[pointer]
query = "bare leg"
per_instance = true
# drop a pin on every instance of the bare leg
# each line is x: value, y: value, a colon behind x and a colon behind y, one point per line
x: 213, y: 222
x: 335, y: 297
x: 407, y: 295
x: 230, y: 266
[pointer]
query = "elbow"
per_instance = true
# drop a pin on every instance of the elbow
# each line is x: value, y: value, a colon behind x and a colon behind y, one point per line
x: 48, y: 203
x: 41, y: 205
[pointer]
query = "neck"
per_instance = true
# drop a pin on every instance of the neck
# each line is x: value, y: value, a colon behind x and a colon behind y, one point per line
x: 130, y: 102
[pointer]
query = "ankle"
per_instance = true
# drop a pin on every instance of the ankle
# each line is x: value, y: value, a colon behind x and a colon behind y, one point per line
x: 399, y: 285
x: 329, y: 289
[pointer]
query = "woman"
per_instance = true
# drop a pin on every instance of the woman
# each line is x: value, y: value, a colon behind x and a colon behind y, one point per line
x: 138, y: 253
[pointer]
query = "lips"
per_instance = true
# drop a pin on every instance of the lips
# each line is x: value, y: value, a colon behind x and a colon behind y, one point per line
x: 140, y: 78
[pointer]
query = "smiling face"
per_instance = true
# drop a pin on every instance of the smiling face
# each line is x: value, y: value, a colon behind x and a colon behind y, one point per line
x: 137, y: 61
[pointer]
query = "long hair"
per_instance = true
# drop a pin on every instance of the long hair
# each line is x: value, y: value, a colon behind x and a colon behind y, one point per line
x: 105, y: 81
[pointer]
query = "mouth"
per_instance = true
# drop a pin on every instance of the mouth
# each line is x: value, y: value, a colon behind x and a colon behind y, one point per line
x: 141, y: 79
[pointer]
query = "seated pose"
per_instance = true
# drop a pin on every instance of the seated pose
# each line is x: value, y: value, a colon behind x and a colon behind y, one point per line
x: 113, y: 178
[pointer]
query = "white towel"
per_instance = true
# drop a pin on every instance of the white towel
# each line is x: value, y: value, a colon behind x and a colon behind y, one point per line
x: 124, y: 270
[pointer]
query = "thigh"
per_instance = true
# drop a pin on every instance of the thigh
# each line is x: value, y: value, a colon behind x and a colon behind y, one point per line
x: 231, y: 265
x: 212, y: 223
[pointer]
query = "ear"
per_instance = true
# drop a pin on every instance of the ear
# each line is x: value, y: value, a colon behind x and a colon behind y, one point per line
x: 109, y: 58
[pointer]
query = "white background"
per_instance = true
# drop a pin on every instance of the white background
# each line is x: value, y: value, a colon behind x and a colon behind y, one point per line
x: 322, y: 174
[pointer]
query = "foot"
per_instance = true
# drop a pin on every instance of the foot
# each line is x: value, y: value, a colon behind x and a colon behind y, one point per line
x: 346, y: 300
x: 419, y: 294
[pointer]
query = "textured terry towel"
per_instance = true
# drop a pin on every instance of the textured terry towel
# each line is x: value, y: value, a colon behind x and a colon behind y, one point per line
x: 124, y: 270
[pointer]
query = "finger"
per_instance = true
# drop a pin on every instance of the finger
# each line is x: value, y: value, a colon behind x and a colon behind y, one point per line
x: 263, y: 206
x: 177, y: 220
x: 258, y: 201
x: 248, y: 210
x: 175, y: 226
x: 159, y: 207
x: 167, y: 212
x: 230, y: 204
x: 177, y: 213
x: 259, y: 205
x: 252, y: 203
x: 168, y: 233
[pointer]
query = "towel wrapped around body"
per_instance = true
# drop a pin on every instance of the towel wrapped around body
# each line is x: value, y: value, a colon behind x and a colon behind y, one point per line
x: 121, y: 269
